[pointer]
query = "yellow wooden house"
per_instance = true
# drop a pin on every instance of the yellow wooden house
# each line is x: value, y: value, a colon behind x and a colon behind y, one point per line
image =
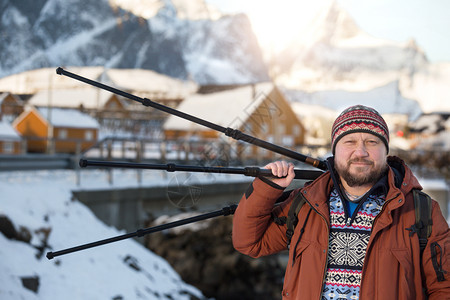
x: 56, y: 130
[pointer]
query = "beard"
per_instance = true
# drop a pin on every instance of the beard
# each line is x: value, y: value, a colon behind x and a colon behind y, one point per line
x: 362, y: 177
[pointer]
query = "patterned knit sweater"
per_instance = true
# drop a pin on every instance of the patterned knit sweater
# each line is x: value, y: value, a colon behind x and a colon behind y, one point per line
x: 348, y: 242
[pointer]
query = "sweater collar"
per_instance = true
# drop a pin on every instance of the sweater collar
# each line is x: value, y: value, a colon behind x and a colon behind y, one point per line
x: 380, y: 187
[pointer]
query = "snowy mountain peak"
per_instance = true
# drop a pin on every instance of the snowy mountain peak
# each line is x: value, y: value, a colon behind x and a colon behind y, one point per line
x: 178, y: 38
x: 145, y: 9
x: 336, y: 54
x: 334, y: 23
x: 182, y: 9
x: 195, y: 10
x: 415, y: 48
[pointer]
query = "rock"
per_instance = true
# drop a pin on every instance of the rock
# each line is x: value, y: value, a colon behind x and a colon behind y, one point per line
x: 24, y: 234
x: 31, y: 283
x: 42, y: 233
x: 7, y: 227
x: 206, y: 259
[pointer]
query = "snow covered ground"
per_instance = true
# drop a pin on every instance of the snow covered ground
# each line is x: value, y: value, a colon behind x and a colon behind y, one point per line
x: 41, y: 201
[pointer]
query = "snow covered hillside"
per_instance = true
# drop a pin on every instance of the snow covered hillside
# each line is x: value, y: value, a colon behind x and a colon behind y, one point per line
x: 386, y: 99
x: 192, y: 40
x: 334, y: 54
x: 169, y: 37
x: 44, y: 218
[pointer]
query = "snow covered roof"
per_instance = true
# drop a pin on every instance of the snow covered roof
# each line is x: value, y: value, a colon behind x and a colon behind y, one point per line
x: 147, y: 81
x: 227, y: 108
x: 8, y: 132
x: 70, y: 118
x: 313, y: 110
x: 134, y: 80
x: 88, y: 97
x: 3, y: 96
x: 61, y: 117
x: 30, y: 82
x: 431, y: 123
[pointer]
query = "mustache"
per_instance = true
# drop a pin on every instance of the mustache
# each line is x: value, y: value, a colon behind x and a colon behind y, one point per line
x: 360, y: 160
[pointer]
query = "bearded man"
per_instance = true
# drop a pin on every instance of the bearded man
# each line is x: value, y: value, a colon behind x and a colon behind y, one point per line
x: 353, y: 237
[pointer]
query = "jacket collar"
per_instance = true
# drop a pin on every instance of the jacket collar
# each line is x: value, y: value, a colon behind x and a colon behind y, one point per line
x: 401, y: 176
x: 322, y: 186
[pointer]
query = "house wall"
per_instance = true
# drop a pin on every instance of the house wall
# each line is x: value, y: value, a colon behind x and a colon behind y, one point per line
x: 10, y: 147
x: 114, y: 109
x: 67, y: 139
x: 180, y: 134
x: 35, y: 130
x: 273, y: 121
x: 10, y: 106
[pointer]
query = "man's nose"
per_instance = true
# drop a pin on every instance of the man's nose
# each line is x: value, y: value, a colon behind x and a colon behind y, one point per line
x: 361, y: 149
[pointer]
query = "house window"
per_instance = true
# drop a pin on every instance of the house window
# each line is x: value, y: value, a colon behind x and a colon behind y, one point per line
x: 296, y: 130
x: 288, y: 140
x: 264, y: 128
x: 247, y: 150
x: 62, y: 134
x: 262, y: 151
x: 281, y: 129
x: 112, y: 105
x: 248, y: 128
x: 89, y: 135
x: 8, y: 147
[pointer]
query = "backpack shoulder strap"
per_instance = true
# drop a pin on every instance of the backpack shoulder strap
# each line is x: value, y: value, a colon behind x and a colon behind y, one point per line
x: 292, y: 217
x: 423, y: 225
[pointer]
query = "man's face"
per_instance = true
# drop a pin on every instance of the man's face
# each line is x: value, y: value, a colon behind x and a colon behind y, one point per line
x: 360, y: 159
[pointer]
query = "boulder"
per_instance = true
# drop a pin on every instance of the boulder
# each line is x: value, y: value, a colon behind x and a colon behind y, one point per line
x: 206, y: 259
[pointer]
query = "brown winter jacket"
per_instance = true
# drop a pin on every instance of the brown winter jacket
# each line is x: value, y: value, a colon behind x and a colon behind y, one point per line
x: 392, y: 266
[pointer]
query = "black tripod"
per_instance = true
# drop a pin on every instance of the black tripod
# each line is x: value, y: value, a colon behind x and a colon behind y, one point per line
x: 235, y: 134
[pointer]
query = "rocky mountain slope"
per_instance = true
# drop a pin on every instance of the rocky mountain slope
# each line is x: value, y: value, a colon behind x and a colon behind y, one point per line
x: 335, y: 55
x: 50, y: 33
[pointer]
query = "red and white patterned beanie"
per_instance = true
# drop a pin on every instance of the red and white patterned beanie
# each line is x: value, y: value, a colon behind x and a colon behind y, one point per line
x: 359, y: 118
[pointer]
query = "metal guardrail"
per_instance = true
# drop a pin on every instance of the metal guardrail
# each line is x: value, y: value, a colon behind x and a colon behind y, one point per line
x: 151, y: 150
x: 26, y: 162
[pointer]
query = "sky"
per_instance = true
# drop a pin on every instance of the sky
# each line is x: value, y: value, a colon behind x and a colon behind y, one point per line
x: 400, y: 20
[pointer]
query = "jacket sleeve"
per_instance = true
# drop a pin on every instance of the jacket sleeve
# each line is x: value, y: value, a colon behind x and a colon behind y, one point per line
x: 436, y: 257
x: 254, y: 231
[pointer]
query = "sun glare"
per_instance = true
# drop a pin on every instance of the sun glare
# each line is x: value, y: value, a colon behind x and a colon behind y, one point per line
x: 276, y: 23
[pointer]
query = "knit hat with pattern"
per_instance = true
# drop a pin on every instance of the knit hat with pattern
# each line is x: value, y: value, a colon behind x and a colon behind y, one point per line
x: 359, y: 118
